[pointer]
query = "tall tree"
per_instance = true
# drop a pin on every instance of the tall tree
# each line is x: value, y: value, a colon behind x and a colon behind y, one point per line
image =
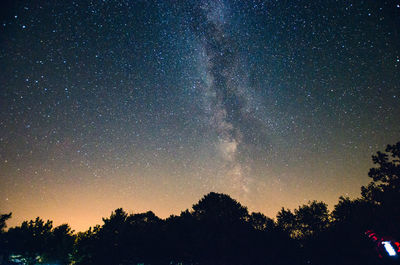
x: 221, y: 229
x: 385, y: 185
x: 384, y: 189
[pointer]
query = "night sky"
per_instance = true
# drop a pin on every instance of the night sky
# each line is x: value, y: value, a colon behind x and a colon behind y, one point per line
x: 149, y: 105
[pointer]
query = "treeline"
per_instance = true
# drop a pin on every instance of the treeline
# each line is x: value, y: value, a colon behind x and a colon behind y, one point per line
x: 219, y: 230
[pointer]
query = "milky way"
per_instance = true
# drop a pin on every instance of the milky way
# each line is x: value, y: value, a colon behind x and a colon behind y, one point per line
x: 148, y: 105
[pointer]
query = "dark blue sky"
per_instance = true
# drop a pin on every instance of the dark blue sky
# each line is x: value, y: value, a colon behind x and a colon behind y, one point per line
x: 152, y: 104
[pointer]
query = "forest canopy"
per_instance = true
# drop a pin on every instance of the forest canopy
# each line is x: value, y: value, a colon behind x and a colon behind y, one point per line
x: 220, y: 230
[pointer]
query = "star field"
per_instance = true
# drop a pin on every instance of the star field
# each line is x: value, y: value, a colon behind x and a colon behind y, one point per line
x: 148, y: 105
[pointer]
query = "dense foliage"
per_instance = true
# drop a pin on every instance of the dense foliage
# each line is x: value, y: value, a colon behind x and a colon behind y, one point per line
x: 219, y: 230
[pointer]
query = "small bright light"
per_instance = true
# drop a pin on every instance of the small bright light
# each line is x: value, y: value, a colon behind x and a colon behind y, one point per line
x: 389, y: 248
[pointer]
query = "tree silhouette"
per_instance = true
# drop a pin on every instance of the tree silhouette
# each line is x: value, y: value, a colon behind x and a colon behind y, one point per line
x: 181, y: 238
x: 85, y: 247
x: 30, y: 240
x: 3, y: 240
x: 220, y: 229
x: 353, y: 213
x: 384, y: 190
x: 122, y: 239
x: 306, y: 221
x: 217, y: 207
x: 146, y: 230
x: 59, y: 245
x: 3, y: 219
x: 385, y: 187
x: 286, y: 221
x: 261, y: 223
x: 349, y: 220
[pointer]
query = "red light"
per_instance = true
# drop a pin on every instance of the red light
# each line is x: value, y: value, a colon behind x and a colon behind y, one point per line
x: 398, y: 246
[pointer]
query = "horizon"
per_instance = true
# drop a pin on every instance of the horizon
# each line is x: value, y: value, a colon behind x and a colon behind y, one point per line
x: 85, y: 227
x: 330, y: 207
